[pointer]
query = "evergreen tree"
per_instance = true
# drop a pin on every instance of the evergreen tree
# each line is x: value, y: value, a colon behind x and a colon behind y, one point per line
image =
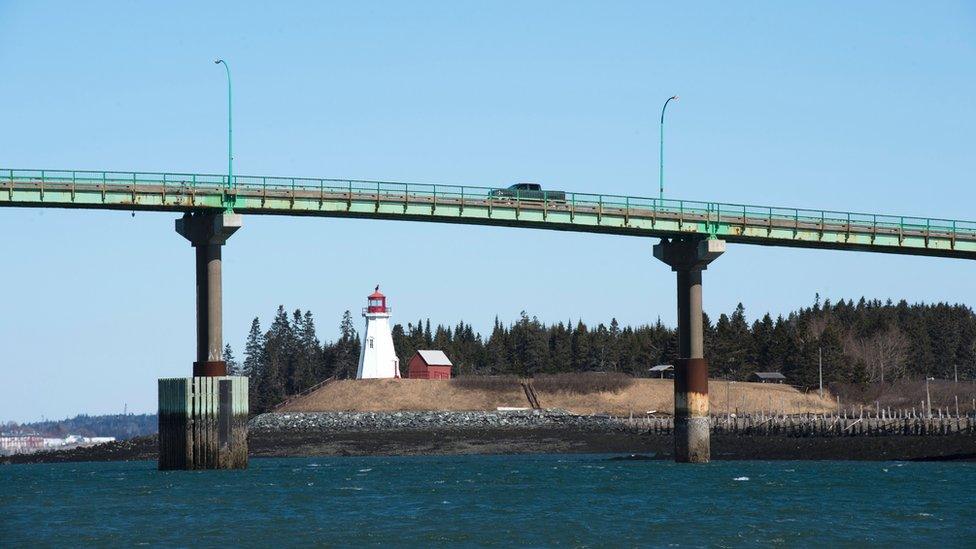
x: 309, y: 366
x: 253, y: 363
x: 465, y: 350
x: 496, y: 353
x: 612, y: 358
x: 346, y: 349
x: 599, y: 347
x: 733, y: 345
x: 402, y: 347
x: 560, y: 349
x: 233, y: 369
x: 417, y: 336
x: 580, y: 341
x: 442, y: 338
x: 858, y: 341
x: 784, y: 347
x: 762, y: 347
x: 276, y: 361
x: 837, y: 368
x: 534, y: 351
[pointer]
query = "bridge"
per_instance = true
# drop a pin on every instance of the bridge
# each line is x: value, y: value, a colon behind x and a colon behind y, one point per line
x: 600, y: 213
x: 203, y: 418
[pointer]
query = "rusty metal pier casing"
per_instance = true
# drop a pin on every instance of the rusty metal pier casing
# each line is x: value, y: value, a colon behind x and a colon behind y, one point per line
x: 688, y: 257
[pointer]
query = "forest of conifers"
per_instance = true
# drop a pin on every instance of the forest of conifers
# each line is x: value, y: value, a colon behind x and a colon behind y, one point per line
x: 864, y: 341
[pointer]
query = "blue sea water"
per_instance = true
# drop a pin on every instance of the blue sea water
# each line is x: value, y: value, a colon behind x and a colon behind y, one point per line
x: 503, y: 501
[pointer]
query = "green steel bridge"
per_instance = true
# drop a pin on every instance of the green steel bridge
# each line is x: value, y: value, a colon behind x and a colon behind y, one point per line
x: 626, y: 215
x: 693, y: 234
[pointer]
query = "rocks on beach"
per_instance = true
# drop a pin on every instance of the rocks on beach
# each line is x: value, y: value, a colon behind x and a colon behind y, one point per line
x: 430, y: 420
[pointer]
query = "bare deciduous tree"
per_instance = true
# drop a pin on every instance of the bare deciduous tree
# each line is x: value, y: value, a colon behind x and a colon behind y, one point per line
x: 885, y: 353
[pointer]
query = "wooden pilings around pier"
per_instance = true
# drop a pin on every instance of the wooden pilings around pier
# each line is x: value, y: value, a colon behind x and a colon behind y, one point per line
x: 820, y: 425
x: 203, y: 423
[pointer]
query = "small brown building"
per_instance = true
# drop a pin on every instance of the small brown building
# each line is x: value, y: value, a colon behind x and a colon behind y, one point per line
x: 768, y: 377
x: 429, y: 365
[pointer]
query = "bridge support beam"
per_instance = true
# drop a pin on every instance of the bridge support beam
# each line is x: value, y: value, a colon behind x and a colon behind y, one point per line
x: 688, y: 257
x: 203, y: 419
x: 207, y: 233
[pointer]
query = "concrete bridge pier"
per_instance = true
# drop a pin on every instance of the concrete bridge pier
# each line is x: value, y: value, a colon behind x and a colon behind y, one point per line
x: 203, y: 419
x: 207, y: 233
x: 688, y: 257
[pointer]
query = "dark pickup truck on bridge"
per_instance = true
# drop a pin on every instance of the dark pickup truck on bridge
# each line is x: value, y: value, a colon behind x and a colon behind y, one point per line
x: 528, y: 191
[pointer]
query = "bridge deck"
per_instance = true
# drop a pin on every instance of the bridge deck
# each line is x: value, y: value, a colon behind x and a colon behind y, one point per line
x: 472, y: 205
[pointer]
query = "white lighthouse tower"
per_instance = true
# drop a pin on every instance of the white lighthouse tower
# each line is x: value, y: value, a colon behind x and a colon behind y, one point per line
x: 377, y: 358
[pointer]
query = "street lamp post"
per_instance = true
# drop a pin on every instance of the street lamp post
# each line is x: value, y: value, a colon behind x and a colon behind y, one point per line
x: 728, y: 400
x: 230, y: 128
x: 675, y: 97
x: 820, y: 368
x: 928, y: 396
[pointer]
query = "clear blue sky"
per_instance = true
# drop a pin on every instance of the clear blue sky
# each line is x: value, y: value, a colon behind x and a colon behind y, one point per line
x: 861, y: 106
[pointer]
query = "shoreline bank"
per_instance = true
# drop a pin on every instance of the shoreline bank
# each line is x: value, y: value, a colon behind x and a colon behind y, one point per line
x: 533, y: 432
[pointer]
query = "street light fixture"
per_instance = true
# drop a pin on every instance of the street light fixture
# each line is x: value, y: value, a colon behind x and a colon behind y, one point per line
x: 230, y: 131
x: 674, y: 97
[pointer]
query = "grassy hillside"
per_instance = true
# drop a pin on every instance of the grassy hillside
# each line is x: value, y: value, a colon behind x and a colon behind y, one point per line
x: 589, y: 396
x: 646, y: 395
x: 380, y: 395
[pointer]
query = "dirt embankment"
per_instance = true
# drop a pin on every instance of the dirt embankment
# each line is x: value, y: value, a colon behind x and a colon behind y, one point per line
x: 646, y: 395
x: 407, y: 395
x: 529, y: 441
x: 637, y: 396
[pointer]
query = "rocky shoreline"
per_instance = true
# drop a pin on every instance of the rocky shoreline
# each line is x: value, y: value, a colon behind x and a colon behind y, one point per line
x: 294, y: 434
x: 369, y: 422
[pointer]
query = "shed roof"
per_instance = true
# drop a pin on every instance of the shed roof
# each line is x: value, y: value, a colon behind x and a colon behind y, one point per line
x: 769, y: 375
x: 662, y: 368
x: 434, y: 358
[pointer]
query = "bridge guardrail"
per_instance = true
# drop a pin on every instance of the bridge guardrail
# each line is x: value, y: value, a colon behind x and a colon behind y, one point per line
x: 713, y: 212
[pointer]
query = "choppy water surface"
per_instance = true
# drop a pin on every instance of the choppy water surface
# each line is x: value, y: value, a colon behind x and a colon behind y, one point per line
x: 491, y: 500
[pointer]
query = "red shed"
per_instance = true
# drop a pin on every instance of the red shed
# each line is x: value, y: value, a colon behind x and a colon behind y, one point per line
x: 429, y: 365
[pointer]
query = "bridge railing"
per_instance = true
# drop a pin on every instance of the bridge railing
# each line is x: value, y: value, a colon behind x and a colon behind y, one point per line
x: 385, y: 191
x: 115, y: 178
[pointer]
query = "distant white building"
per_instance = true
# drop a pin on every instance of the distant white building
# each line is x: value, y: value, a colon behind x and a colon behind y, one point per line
x: 377, y: 359
x: 20, y: 444
x: 26, y: 444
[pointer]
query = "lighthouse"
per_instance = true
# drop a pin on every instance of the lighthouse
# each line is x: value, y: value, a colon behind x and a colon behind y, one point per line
x: 377, y: 359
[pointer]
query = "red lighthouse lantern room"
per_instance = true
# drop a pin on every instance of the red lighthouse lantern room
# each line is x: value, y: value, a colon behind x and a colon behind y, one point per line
x: 376, y: 302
